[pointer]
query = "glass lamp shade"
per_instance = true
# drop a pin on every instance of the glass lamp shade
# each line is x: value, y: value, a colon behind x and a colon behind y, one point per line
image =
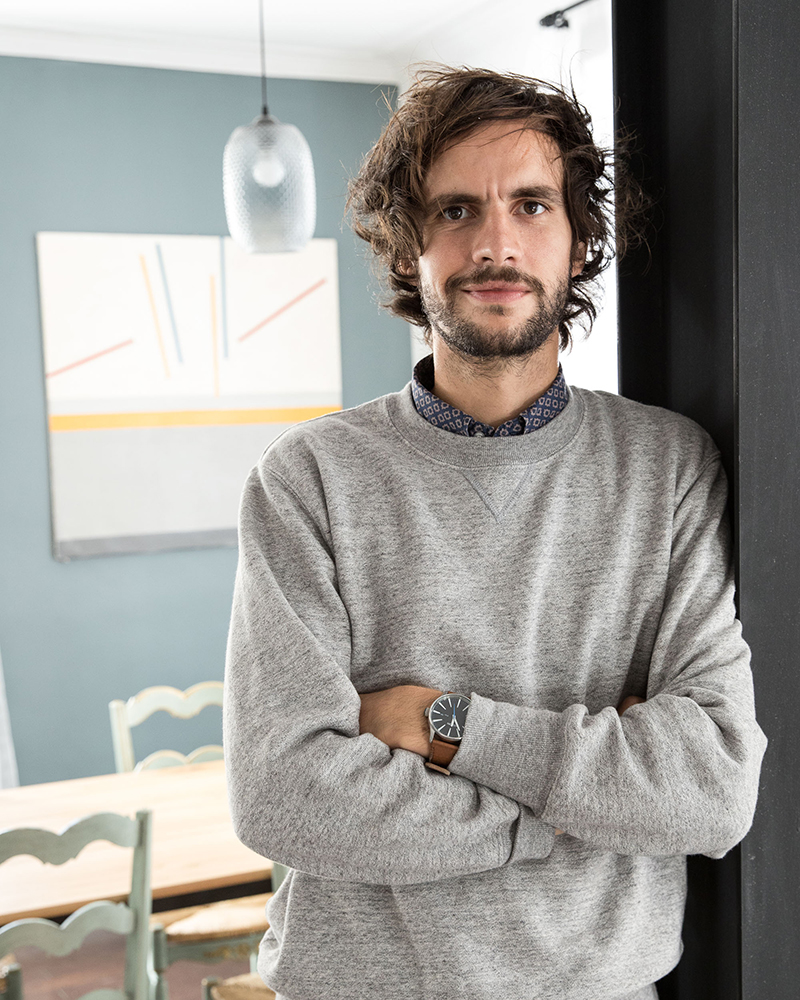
x: 268, y: 184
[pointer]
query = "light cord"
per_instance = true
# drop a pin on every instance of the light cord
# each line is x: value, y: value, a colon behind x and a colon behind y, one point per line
x: 264, y: 110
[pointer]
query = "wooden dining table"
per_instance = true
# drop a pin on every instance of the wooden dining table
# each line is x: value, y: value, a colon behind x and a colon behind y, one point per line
x: 194, y: 847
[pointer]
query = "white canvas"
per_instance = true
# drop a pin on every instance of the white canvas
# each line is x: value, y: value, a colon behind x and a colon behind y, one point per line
x: 170, y: 363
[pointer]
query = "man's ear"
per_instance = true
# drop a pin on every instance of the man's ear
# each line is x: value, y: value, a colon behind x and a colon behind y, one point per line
x: 408, y: 269
x: 578, y: 258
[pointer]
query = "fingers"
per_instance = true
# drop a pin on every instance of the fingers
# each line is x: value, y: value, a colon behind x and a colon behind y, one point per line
x: 626, y: 703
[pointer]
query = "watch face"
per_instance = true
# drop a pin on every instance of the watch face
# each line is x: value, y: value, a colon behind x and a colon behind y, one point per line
x: 448, y: 715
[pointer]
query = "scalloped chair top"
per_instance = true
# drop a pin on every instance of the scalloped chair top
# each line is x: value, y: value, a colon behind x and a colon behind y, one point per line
x: 180, y: 704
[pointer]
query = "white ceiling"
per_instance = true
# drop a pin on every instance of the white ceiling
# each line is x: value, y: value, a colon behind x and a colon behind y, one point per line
x: 361, y: 40
x: 356, y: 24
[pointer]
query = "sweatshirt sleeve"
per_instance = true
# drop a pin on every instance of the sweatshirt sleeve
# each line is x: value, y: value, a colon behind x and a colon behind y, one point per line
x: 305, y: 788
x: 675, y: 775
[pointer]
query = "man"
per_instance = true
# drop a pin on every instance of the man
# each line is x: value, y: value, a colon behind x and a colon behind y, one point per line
x: 486, y: 687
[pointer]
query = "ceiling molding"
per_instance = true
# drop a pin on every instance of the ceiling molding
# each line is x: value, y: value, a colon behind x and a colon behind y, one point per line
x: 202, y: 55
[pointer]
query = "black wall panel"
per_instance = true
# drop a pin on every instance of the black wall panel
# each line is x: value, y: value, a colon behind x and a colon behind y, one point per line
x: 709, y: 324
x: 769, y: 476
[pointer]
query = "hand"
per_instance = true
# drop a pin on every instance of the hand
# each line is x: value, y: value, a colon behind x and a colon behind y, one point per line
x: 396, y: 716
x: 626, y: 703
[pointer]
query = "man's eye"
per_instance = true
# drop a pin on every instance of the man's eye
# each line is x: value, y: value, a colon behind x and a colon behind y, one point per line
x: 532, y: 208
x: 455, y: 213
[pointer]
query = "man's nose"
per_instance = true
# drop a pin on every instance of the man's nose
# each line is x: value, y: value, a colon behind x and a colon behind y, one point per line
x: 496, y: 240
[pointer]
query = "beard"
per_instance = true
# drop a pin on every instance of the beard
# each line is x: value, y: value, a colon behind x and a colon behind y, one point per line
x: 468, y: 337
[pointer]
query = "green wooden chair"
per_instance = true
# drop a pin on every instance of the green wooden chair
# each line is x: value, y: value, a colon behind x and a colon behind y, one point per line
x: 180, y: 704
x: 231, y: 929
x: 130, y: 918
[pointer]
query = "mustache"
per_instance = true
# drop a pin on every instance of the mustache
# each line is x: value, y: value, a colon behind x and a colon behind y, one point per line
x: 485, y: 275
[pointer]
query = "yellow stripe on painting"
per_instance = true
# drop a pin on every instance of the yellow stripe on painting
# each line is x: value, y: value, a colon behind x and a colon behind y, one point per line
x: 184, y: 418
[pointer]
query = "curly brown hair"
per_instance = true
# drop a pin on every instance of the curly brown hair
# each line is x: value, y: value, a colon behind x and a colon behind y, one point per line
x: 387, y: 198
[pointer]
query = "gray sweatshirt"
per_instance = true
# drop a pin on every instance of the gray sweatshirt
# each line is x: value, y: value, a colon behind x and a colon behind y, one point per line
x: 547, y: 576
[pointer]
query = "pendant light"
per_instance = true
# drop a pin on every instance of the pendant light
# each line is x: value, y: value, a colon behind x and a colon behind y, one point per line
x: 268, y: 181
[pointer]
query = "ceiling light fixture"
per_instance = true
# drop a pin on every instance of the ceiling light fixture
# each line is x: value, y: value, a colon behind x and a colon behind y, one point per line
x: 268, y: 180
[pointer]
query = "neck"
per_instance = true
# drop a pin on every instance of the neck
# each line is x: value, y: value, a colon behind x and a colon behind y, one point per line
x: 493, y: 390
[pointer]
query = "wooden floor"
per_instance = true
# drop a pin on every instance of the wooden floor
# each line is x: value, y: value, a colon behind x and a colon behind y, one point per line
x: 99, y: 964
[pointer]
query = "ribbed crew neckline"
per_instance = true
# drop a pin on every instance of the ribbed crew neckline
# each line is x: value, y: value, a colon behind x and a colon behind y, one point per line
x: 477, y: 452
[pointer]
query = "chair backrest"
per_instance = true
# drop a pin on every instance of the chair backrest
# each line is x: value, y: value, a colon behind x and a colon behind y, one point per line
x: 131, y: 919
x: 181, y: 704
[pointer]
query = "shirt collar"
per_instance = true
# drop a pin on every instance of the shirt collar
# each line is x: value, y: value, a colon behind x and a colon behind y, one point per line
x: 450, y: 418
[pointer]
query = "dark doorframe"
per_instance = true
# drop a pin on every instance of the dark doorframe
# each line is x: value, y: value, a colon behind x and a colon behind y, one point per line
x: 710, y: 326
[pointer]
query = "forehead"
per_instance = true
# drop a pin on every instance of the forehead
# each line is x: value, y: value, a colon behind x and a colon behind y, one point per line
x: 502, y: 154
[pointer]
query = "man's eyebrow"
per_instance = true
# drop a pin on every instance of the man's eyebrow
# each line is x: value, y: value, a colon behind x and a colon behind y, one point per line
x: 452, y: 198
x: 533, y: 192
x: 539, y: 191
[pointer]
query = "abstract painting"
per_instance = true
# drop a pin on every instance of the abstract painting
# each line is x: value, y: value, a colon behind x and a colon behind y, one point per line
x: 171, y: 362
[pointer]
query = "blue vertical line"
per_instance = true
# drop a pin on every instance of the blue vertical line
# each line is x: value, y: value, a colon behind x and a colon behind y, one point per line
x: 222, y: 300
x: 169, y: 302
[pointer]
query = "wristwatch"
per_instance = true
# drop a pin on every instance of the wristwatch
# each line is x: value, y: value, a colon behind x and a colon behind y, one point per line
x: 447, y: 717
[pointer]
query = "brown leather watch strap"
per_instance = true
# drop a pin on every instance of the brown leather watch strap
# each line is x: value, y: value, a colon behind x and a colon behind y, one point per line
x: 441, y: 755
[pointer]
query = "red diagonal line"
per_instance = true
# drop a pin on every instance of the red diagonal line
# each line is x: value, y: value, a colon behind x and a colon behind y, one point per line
x: 91, y: 357
x: 282, y: 309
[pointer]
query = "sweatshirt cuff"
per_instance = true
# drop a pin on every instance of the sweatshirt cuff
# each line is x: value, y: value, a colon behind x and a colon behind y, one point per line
x: 512, y: 750
x: 533, y: 840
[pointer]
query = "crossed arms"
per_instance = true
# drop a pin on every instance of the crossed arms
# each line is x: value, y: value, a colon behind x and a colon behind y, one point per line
x: 396, y: 716
x: 333, y: 783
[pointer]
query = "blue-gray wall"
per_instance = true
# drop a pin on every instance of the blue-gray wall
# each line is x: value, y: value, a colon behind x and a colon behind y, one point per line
x: 94, y: 148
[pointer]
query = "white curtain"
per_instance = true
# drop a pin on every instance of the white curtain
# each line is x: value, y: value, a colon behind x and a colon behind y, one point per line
x: 8, y: 762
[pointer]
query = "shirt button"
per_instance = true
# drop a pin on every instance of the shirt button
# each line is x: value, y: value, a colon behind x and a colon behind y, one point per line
x: 479, y: 434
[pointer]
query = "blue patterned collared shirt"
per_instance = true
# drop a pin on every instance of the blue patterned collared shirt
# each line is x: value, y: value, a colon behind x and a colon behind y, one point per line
x: 450, y: 418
